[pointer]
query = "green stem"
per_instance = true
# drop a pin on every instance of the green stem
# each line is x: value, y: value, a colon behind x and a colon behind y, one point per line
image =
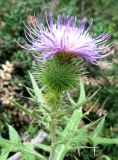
x: 53, y: 139
x: 54, y: 102
x: 72, y: 125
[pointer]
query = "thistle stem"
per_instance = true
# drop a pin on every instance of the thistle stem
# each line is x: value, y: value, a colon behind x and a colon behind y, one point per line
x: 55, y: 100
x: 53, y: 139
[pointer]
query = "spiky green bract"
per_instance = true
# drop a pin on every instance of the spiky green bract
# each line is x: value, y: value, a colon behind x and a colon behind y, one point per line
x: 59, y: 73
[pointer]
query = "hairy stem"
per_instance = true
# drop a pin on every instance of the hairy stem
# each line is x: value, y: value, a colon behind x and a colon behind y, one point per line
x: 54, y: 100
x: 53, y: 139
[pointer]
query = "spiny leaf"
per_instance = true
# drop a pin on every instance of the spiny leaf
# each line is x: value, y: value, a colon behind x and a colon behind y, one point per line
x: 74, y: 121
x: 71, y: 126
x: 82, y: 96
x: 25, y: 110
x: 26, y: 156
x: 70, y: 99
x: 30, y: 91
x: 4, y: 154
x: 23, y: 149
x: 85, y: 128
x: 73, y: 148
x: 38, y: 92
x: 43, y: 146
x: 27, y: 151
x: 99, y: 128
x: 84, y: 99
x: 7, y: 144
x: 13, y: 135
x: 60, y: 152
x: 107, y: 141
x: 89, y: 98
x: 22, y: 108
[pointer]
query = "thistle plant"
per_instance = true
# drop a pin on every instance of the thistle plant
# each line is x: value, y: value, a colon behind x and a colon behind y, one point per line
x: 61, y: 49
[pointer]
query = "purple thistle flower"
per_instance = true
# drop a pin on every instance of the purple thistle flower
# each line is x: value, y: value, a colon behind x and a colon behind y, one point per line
x: 66, y: 37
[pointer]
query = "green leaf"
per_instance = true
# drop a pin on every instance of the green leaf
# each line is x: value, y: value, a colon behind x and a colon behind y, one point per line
x: 83, y: 130
x: 70, y: 99
x: 73, y: 148
x: 26, y: 110
x: 82, y: 96
x: 37, y: 91
x: 22, y: 108
x: 99, y: 128
x: 25, y: 150
x: 30, y: 91
x: 74, y: 121
x: 60, y: 152
x: 26, y: 156
x: 69, y: 130
x: 83, y: 99
x: 13, y: 135
x: 28, y: 151
x: 89, y: 98
x: 104, y: 141
x: 8, y: 144
x: 4, y: 154
x: 42, y: 146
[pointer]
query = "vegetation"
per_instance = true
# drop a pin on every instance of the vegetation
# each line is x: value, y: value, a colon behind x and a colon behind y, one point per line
x: 15, y: 64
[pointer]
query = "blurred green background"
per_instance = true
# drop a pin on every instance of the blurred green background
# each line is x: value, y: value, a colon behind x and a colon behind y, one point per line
x: 16, y: 62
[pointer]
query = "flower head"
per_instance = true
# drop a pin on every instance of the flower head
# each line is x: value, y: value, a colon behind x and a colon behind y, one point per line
x: 64, y: 36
